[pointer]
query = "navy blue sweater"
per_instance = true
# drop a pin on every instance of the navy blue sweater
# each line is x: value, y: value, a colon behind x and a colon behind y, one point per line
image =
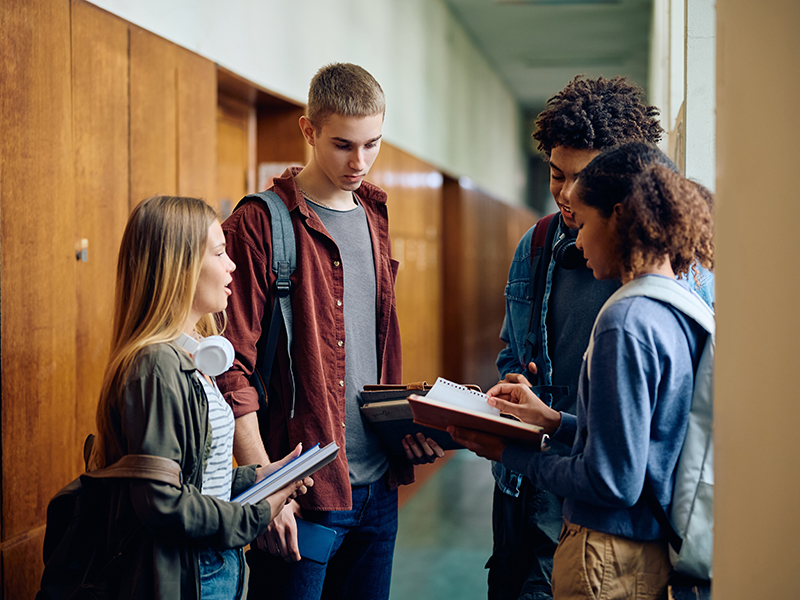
x: 631, y: 418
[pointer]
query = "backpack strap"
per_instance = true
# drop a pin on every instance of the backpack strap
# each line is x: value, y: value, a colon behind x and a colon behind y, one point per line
x: 541, y: 253
x: 142, y: 466
x: 134, y: 466
x: 665, y: 290
x: 672, y: 293
x: 660, y: 514
x: 284, y: 263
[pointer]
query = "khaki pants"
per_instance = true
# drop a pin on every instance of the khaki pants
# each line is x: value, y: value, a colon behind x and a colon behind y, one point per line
x: 600, y: 566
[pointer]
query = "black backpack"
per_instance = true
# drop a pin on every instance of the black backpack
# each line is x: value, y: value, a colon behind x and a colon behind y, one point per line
x: 77, y: 562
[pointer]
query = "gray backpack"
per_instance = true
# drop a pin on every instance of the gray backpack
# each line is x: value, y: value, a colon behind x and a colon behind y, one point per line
x: 690, y: 525
x: 284, y: 262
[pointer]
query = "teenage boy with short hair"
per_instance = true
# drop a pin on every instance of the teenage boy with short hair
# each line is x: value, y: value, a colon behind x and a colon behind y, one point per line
x: 587, y: 116
x: 345, y: 334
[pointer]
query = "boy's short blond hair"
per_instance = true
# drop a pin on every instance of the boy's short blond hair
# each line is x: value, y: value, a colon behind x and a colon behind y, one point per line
x: 343, y: 89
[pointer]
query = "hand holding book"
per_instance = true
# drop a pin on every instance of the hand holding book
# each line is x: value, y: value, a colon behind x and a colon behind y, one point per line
x: 451, y: 405
x: 294, y: 470
x: 518, y: 400
x: 291, y: 491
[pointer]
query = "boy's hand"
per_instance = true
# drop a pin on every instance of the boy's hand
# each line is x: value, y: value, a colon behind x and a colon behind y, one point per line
x: 281, y: 537
x: 421, y: 450
x: 519, y: 378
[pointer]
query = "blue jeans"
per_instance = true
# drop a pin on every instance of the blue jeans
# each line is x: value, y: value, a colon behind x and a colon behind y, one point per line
x: 221, y: 574
x: 361, y: 565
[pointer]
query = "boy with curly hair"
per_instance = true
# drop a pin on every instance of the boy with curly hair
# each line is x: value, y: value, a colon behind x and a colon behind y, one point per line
x: 643, y: 224
x: 552, y: 300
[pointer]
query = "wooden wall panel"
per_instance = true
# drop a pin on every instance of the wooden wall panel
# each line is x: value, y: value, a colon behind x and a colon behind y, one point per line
x: 100, y: 118
x: 485, y: 270
x: 235, y: 160
x: 455, y: 300
x: 279, y: 139
x: 37, y: 262
x: 173, y: 107
x: 479, y: 240
x: 22, y: 568
x: 153, y: 116
x: 415, y: 226
x: 197, y: 132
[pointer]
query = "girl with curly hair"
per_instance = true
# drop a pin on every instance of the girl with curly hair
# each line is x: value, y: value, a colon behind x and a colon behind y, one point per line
x: 637, y: 218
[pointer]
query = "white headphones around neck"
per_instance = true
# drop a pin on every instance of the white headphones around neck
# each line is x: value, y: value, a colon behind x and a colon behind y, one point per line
x: 212, y: 355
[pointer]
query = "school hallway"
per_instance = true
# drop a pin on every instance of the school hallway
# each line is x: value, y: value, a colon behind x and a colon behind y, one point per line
x: 445, y: 531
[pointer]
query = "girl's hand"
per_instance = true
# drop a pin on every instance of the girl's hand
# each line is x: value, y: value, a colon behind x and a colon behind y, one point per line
x: 518, y: 400
x: 483, y: 444
x: 269, y: 469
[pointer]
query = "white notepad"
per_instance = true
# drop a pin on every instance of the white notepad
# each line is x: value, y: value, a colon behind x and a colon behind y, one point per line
x: 458, y: 395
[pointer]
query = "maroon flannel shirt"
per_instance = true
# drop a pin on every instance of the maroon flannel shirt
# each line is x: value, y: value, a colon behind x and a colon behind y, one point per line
x: 318, y: 359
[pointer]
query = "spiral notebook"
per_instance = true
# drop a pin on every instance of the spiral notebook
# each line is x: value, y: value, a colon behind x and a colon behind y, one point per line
x: 448, y: 403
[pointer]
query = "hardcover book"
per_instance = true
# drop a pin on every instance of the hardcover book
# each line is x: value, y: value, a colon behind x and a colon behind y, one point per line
x: 448, y: 403
x: 302, y: 466
x: 388, y: 412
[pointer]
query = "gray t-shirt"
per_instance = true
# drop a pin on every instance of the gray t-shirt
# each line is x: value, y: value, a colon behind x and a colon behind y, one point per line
x: 350, y: 230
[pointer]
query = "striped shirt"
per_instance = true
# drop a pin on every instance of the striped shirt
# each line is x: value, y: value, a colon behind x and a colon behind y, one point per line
x: 217, y: 478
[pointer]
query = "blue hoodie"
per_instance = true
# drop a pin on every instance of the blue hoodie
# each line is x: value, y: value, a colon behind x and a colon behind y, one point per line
x: 631, y: 418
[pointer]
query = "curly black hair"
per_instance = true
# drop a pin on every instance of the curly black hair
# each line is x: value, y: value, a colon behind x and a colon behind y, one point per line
x: 608, y: 179
x: 664, y: 214
x: 597, y: 114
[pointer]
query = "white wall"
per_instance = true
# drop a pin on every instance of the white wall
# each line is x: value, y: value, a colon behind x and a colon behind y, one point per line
x: 700, y: 57
x: 444, y: 103
x: 682, y: 83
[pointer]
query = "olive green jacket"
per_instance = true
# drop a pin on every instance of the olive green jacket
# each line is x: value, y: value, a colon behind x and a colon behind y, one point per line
x: 163, y: 411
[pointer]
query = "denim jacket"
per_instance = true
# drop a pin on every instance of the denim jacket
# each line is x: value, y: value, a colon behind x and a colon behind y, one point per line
x: 516, y: 355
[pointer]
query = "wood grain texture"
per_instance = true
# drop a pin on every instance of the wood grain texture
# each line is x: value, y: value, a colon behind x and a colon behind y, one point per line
x: 197, y: 133
x: 153, y: 116
x: 453, y: 285
x: 279, y: 137
x: 480, y: 235
x: 235, y: 160
x: 484, y: 269
x: 415, y: 226
x: 100, y: 121
x: 37, y: 261
x: 22, y: 567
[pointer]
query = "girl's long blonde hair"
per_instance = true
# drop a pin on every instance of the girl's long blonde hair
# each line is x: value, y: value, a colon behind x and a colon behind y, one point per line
x: 158, y: 267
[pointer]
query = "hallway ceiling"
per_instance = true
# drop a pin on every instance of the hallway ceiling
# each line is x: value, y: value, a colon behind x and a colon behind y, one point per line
x: 538, y: 46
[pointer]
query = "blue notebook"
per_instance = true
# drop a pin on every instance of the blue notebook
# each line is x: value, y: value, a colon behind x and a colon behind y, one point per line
x: 304, y: 465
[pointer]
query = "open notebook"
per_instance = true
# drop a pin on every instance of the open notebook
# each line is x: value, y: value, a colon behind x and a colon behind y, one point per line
x: 448, y: 403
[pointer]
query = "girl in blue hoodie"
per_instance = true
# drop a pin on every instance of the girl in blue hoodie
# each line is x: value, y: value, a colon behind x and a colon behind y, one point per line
x: 631, y: 416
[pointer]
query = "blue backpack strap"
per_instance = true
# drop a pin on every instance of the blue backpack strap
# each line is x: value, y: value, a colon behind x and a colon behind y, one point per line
x: 284, y: 262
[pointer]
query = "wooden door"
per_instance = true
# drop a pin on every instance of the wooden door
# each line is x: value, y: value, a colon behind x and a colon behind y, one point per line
x: 38, y: 276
